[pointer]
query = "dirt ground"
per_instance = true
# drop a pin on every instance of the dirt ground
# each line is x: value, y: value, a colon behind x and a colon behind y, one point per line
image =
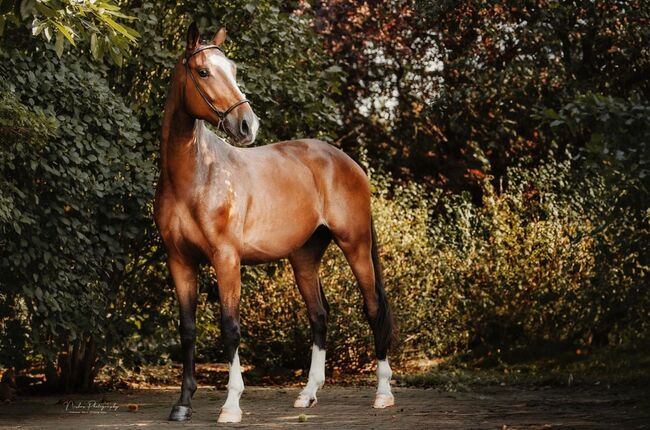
x: 345, y: 407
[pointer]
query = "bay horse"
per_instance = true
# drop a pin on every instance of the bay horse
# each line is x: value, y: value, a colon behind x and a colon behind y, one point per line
x: 231, y: 206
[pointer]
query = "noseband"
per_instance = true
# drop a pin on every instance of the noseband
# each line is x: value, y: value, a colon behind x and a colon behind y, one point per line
x: 221, y: 114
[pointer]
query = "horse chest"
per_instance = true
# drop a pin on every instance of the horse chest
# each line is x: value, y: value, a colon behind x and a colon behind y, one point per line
x: 195, y: 228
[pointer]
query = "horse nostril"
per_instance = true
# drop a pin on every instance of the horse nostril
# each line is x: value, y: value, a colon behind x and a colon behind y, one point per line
x: 245, y: 130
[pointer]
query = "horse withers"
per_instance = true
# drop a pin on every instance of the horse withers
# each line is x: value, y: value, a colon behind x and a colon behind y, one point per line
x: 228, y: 206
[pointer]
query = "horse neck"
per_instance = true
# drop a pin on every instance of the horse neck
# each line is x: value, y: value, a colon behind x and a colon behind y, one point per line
x: 178, y: 131
x: 184, y: 143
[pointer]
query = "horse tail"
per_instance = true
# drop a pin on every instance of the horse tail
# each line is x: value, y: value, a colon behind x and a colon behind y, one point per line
x: 384, y: 330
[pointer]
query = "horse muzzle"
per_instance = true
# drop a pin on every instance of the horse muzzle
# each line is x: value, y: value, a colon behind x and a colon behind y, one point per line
x: 243, y: 128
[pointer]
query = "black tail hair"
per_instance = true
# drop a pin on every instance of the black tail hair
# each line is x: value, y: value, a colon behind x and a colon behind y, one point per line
x: 384, y: 324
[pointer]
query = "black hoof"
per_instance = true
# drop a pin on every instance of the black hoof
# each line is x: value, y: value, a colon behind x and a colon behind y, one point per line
x: 180, y: 413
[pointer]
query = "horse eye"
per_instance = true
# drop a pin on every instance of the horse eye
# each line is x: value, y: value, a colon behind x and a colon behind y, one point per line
x: 204, y: 73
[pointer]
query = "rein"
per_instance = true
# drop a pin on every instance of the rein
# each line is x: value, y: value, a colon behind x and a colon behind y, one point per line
x: 221, y: 114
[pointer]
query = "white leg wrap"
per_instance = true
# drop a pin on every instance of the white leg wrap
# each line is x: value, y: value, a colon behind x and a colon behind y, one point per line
x: 384, y: 397
x: 307, y: 396
x: 230, y: 412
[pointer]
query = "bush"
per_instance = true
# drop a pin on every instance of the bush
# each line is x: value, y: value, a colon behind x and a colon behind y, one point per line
x: 530, y: 268
x: 75, y: 214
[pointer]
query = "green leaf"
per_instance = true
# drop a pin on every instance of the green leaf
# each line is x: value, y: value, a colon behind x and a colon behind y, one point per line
x: 128, y: 33
x: 45, y: 10
x: 116, y: 56
x: 37, y: 29
x: 27, y: 8
x: 250, y: 7
x: 58, y: 45
x: 66, y: 31
x: 94, y: 47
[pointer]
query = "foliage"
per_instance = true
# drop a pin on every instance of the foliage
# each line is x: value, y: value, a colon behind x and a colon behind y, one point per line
x: 538, y: 109
x: 461, y: 81
x: 21, y: 130
x: 78, y: 210
x: 532, y: 269
x: 388, y: 60
x: 94, y: 21
x: 527, y: 270
x: 613, y: 134
x: 86, y: 279
x: 281, y: 66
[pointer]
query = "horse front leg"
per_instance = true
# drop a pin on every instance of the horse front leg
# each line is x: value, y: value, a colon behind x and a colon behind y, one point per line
x: 227, y: 266
x: 184, y: 277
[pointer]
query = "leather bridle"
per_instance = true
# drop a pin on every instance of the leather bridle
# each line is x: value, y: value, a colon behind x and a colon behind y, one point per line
x: 221, y: 114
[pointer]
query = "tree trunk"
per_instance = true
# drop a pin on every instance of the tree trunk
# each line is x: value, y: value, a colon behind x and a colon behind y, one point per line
x: 76, y: 367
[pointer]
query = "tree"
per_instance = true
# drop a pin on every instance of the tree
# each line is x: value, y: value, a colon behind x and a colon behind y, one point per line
x: 447, y: 92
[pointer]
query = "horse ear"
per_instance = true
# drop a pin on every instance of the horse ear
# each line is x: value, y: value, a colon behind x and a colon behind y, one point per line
x: 193, y: 37
x: 219, y: 37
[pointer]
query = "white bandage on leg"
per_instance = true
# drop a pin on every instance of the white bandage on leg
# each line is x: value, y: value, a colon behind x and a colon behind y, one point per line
x: 230, y: 412
x: 307, y: 396
x: 384, y: 397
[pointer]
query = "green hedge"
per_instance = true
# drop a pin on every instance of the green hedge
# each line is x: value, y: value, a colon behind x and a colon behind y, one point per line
x: 79, y: 184
x: 533, y: 267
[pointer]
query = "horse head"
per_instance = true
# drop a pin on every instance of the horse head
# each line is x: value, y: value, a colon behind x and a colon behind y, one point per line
x: 210, y: 88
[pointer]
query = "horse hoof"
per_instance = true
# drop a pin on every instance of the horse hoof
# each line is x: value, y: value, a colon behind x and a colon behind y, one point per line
x: 304, y: 402
x: 383, y: 401
x: 230, y: 416
x: 180, y: 413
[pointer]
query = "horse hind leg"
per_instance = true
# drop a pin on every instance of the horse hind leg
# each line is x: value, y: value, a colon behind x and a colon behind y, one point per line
x: 360, y: 250
x: 316, y: 379
x: 305, y: 263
